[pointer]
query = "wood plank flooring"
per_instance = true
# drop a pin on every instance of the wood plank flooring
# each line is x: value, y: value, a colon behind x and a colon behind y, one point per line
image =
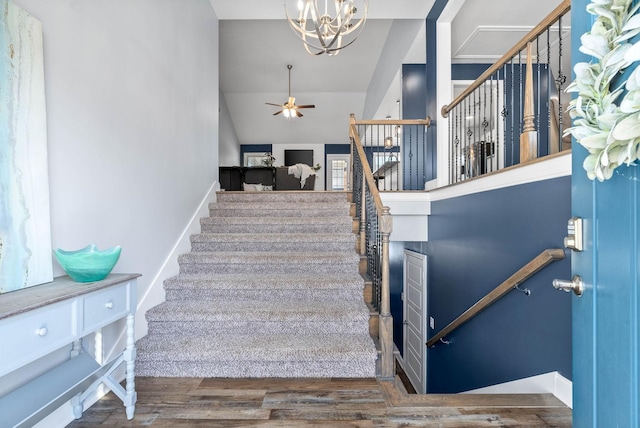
x: 191, y: 402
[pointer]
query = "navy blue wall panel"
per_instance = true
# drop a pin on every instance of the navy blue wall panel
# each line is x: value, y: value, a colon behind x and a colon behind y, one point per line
x: 337, y: 149
x: 431, y: 81
x: 415, y: 153
x: 467, y: 71
x: 475, y: 243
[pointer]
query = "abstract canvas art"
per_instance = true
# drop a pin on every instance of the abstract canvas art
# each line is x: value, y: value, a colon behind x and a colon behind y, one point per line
x: 25, y: 230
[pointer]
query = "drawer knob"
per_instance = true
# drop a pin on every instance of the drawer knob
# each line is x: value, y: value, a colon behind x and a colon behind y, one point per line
x: 41, y: 331
x: 109, y: 305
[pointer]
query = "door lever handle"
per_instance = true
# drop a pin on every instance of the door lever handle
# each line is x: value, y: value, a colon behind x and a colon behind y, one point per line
x: 576, y: 285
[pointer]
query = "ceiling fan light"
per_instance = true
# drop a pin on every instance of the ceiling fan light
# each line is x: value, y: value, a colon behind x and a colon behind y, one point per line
x: 286, y: 113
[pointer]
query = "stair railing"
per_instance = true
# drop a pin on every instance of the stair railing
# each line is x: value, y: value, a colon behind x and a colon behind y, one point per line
x: 515, y: 111
x: 397, y: 152
x: 513, y: 282
x: 375, y: 227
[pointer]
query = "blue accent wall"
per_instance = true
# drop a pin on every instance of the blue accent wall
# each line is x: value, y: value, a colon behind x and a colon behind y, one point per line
x: 468, y: 71
x: 475, y: 243
x: 337, y: 149
x: 432, y: 109
x: 415, y: 154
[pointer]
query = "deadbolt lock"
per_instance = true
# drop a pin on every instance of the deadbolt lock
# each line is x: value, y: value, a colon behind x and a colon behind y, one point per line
x: 574, y: 239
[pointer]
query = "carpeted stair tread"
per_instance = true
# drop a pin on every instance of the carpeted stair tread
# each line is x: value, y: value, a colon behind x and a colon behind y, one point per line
x: 309, y: 219
x: 289, y: 196
x: 283, y: 195
x: 265, y: 281
x: 267, y: 212
x: 344, y: 368
x: 255, y: 347
x: 273, y: 237
x: 265, y: 287
x: 255, y: 263
x: 341, y: 208
x: 289, y: 242
x: 273, y: 258
x: 259, y: 311
x: 271, y: 224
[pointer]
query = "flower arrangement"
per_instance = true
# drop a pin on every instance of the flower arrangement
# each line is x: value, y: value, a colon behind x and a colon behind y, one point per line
x: 269, y: 159
x: 610, y: 132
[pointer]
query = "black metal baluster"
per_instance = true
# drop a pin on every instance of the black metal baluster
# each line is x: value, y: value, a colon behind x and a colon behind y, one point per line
x: 560, y: 82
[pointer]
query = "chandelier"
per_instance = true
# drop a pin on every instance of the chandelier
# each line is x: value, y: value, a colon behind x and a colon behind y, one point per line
x: 326, y: 31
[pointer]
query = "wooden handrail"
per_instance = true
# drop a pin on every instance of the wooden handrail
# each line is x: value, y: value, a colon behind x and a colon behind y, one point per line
x: 365, y: 165
x: 524, y: 273
x: 559, y: 11
x: 425, y: 122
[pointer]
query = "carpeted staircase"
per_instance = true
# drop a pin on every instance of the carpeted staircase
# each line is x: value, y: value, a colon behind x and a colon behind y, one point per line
x: 271, y: 288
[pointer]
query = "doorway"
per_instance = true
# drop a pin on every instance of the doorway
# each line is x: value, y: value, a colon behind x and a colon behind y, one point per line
x: 337, y: 172
x: 414, y: 301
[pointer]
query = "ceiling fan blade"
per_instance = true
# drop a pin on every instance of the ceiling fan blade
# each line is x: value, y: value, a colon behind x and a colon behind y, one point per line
x: 298, y: 113
x: 271, y: 104
x: 277, y: 113
x: 307, y: 106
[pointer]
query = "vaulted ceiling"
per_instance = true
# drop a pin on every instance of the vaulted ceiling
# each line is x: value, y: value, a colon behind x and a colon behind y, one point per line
x: 256, y: 44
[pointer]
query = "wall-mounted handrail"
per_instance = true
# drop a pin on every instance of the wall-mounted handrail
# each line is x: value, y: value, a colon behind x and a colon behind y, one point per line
x: 524, y: 273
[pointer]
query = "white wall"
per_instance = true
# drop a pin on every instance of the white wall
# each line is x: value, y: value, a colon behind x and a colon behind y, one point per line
x: 318, y: 157
x: 229, y: 144
x: 132, y: 106
x: 132, y: 114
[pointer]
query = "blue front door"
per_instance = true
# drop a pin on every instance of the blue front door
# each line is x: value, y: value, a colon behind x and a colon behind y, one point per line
x: 606, y: 317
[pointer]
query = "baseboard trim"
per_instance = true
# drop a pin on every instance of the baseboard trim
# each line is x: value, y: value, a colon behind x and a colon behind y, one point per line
x: 548, y: 383
x: 154, y: 294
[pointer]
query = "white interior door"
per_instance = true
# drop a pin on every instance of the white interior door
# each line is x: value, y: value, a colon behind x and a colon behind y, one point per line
x: 415, y: 327
x: 337, y: 175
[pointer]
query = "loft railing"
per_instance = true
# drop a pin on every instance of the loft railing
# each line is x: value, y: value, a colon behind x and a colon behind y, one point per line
x: 516, y: 110
x: 375, y: 227
x: 524, y: 273
x: 396, y: 151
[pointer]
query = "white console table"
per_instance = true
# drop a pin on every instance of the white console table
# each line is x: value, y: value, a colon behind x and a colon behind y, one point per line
x: 37, y: 321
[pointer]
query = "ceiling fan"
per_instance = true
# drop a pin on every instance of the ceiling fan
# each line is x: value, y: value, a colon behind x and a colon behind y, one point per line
x: 290, y: 109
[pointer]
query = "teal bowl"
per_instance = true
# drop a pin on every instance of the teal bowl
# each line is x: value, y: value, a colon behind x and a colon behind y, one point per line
x: 88, y: 264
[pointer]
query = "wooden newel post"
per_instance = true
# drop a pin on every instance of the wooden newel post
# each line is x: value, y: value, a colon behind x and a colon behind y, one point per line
x: 387, y: 364
x: 529, y: 136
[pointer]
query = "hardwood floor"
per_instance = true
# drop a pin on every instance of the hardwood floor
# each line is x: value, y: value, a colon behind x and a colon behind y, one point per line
x: 165, y: 402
